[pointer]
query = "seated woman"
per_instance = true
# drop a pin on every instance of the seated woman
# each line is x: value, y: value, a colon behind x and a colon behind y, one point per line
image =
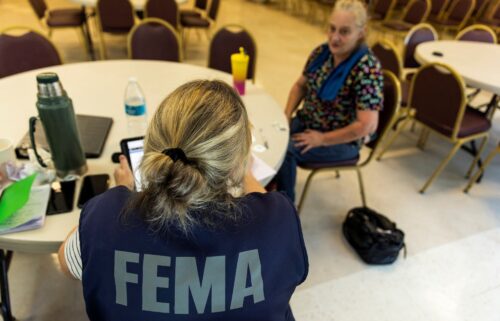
x: 341, y: 87
x: 187, y: 248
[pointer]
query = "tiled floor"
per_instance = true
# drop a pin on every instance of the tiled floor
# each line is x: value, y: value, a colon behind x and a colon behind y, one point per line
x: 453, y: 268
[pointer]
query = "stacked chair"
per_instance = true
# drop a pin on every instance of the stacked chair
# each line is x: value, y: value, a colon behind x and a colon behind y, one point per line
x: 416, y: 12
x: 166, y: 10
x: 457, y: 16
x: 189, y: 21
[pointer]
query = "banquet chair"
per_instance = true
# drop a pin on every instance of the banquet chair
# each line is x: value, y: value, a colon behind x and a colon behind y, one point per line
x: 154, y: 39
x: 62, y: 18
x: 114, y: 17
x: 388, y: 56
x: 423, y: 32
x: 199, y: 9
x: 26, y: 51
x: 382, y: 10
x: 457, y: 16
x: 166, y: 10
x: 437, y: 98
x: 479, y: 9
x: 473, y: 179
x: 490, y: 16
x: 477, y: 33
x: 226, y: 41
x: 387, y: 117
x: 438, y: 8
x: 200, y: 22
x: 415, y: 12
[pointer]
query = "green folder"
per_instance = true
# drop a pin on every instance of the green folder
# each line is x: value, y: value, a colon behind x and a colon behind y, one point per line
x: 15, y: 196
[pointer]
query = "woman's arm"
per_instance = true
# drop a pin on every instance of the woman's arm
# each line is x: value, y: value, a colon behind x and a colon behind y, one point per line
x: 364, y: 125
x: 62, y: 255
x: 295, y: 96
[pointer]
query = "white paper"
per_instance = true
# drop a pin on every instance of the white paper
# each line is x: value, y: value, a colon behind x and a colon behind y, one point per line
x: 31, y: 215
x: 260, y: 169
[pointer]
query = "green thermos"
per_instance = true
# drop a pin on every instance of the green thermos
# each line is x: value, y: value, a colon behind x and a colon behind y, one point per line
x: 55, y: 110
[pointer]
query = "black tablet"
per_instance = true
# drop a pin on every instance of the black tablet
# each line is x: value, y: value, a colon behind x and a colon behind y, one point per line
x: 133, y: 149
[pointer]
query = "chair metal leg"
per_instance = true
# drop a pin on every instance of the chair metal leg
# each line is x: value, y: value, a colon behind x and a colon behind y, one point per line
x: 82, y: 36
x: 441, y: 166
x: 424, y: 135
x: 305, y: 191
x: 361, y: 187
x: 4, y: 285
x: 477, y: 157
x: 393, y: 138
x: 481, y: 169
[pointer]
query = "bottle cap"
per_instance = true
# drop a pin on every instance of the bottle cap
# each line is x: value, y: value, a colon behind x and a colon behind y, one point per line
x: 47, y: 78
x: 240, y: 56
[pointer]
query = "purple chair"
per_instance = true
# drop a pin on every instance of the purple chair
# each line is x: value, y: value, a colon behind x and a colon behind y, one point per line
x: 423, y: 32
x: 154, y: 39
x: 382, y: 10
x: 438, y: 99
x: 415, y: 13
x: 199, y: 9
x: 200, y: 22
x: 388, y: 56
x: 226, y: 41
x: 62, y: 18
x: 115, y: 17
x: 166, y: 10
x: 459, y: 13
x: 477, y: 33
x: 29, y: 51
x: 387, y: 117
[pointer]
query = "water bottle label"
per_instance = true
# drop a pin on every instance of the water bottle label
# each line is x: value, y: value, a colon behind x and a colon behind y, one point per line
x: 135, y: 110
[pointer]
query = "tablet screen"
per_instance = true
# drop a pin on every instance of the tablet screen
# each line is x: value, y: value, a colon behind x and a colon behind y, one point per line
x: 134, y: 151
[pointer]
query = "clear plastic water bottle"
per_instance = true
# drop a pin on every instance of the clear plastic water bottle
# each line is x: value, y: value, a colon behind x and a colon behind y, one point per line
x: 135, y: 108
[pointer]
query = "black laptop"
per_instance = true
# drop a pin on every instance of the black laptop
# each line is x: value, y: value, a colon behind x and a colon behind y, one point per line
x: 93, y: 130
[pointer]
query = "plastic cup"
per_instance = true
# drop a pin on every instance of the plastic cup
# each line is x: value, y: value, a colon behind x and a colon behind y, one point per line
x: 239, y: 69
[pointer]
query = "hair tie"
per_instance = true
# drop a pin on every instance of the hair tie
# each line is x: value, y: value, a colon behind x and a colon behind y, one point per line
x: 175, y: 154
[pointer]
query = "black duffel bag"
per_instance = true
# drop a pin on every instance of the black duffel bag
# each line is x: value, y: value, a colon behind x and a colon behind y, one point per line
x: 374, y: 237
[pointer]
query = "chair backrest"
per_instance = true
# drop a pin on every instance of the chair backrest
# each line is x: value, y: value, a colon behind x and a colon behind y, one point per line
x: 383, y: 7
x: 388, y: 115
x: 438, y: 7
x: 388, y: 56
x: 477, y: 33
x: 460, y: 10
x: 226, y: 41
x: 28, y: 51
x: 115, y: 16
x: 420, y: 33
x: 166, y: 10
x: 214, y: 9
x: 417, y: 11
x: 479, y: 7
x: 39, y: 6
x: 201, y: 4
x: 438, y: 96
x: 154, y: 39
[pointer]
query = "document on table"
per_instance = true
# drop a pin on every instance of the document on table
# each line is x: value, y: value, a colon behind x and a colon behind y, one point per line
x: 260, y: 169
x: 31, y: 215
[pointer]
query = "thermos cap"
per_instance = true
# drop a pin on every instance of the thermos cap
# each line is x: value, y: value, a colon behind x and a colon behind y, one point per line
x: 47, y: 78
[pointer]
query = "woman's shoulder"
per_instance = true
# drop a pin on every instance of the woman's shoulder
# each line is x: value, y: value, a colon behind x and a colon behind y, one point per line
x: 369, y: 60
x: 271, y: 203
x: 113, y: 200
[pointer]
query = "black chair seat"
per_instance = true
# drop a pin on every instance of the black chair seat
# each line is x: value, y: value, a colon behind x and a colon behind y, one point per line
x: 397, y: 25
x: 194, y: 22
x: 348, y: 162
x: 474, y: 122
x: 190, y: 13
x: 66, y: 18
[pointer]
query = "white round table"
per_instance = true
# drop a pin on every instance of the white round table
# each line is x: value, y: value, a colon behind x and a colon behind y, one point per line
x: 97, y: 88
x: 137, y: 4
x: 478, y: 63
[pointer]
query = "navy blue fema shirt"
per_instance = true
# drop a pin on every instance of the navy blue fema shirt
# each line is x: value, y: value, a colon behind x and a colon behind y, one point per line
x: 243, y: 271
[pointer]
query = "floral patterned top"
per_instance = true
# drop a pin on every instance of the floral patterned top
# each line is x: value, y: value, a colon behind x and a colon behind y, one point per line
x: 363, y: 90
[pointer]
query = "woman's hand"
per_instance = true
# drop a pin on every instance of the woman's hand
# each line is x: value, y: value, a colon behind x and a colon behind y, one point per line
x: 123, y: 174
x: 308, y: 139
